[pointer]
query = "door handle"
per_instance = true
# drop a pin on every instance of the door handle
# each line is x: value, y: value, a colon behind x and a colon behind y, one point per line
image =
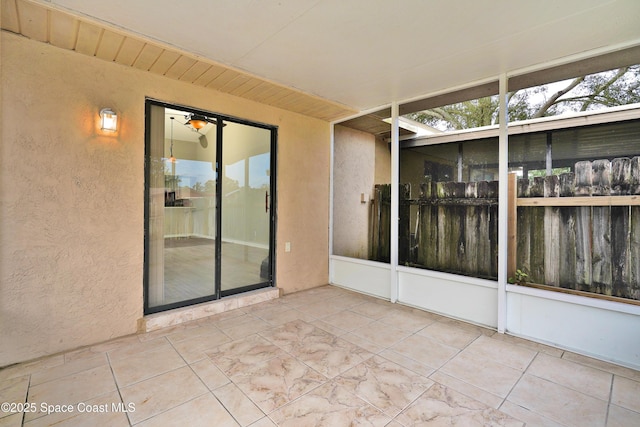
x: 266, y: 201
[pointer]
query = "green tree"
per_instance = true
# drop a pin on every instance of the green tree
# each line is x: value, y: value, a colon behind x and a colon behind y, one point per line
x: 601, y: 90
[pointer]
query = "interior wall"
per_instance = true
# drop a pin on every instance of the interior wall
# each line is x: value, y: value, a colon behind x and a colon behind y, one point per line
x: 72, y: 198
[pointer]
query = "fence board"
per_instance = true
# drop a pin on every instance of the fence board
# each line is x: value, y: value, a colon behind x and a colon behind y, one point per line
x: 634, y: 232
x: 551, y: 233
x: 584, y: 260
x: 601, y: 177
x: 523, y: 254
x: 583, y: 173
x: 620, y: 176
x: 601, y: 226
x: 471, y: 239
x: 634, y: 252
x: 567, y: 235
x: 620, y: 216
x: 404, y: 226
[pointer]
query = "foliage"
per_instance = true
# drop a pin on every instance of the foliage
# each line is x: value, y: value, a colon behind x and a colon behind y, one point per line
x: 521, y: 277
x: 585, y: 93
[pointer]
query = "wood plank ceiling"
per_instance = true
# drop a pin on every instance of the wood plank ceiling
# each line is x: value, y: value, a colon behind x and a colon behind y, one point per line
x: 60, y: 29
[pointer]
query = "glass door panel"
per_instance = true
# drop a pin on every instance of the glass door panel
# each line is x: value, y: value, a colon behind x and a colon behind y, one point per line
x: 209, y: 225
x: 246, y: 192
x: 182, y: 211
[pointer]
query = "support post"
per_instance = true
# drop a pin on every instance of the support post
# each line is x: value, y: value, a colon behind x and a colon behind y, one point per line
x: 503, y: 205
x: 512, y: 218
x: 395, y: 200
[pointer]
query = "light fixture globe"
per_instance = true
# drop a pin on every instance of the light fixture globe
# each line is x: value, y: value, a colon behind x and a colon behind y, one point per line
x: 198, y: 122
x: 108, y: 120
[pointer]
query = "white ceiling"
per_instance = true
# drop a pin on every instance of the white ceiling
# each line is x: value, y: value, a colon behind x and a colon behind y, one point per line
x: 368, y: 53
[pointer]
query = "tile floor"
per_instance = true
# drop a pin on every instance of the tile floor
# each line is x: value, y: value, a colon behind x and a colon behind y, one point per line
x: 323, y: 357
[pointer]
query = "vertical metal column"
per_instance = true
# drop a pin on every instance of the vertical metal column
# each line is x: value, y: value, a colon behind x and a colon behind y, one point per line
x: 395, y: 199
x: 503, y: 195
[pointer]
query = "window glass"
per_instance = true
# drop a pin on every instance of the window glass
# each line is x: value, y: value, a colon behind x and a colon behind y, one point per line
x: 575, y: 237
x: 448, y: 207
x: 362, y: 188
x: 584, y: 93
x: 471, y: 114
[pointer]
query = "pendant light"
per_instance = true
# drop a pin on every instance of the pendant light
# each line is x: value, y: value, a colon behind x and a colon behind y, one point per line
x: 171, y: 158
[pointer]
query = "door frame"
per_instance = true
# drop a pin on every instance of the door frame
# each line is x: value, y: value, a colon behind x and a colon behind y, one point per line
x: 271, y: 203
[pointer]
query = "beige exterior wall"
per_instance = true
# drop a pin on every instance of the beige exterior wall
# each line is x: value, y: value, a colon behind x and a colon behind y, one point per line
x: 360, y: 162
x: 72, y: 199
x: 383, y: 162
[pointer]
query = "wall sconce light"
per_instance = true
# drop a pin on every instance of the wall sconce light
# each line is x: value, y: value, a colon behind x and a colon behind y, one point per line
x: 108, y: 120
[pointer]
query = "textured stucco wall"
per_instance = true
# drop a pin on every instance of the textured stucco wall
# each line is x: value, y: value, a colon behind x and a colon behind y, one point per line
x: 383, y: 162
x: 353, y: 174
x: 72, y: 205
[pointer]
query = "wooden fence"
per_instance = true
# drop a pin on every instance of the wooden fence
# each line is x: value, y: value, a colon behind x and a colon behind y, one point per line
x: 577, y: 231
x: 454, y: 230
x: 581, y: 230
x: 380, y: 224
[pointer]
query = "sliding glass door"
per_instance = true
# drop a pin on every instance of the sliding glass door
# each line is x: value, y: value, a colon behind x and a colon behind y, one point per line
x: 209, y: 211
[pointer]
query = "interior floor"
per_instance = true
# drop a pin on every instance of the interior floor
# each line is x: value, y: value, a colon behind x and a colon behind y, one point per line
x: 189, y: 267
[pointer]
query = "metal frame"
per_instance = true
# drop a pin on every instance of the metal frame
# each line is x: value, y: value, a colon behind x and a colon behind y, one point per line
x: 221, y: 118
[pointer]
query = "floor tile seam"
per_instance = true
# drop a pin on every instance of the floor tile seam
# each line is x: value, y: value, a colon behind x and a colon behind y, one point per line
x: 32, y: 384
x: 635, y: 380
x: 205, y: 357
x: 230, y: 376
x: 165, y: 410
x: 110, y: 355
x: 329, y: 382
x: 572, y: 388
x: 413, y: 360
x: 614, y: 366
x: 115, y: 381
x: 267, y: 414
x: 75, y: 404
x: 327, y: 378
x: 479, y: 355
x: 433, y: 382
x: 154, y: 376
x: 377, y: 353
x: 373, y: 319
x: 148, y: 354
x: 26, y: 399
x: 231, y: 382
x: 544, y: 416
x: 332, y: 325
x: 611, y: 394
x: 609, y: 403
x: 170, y: 345
x: 626, y: 409
x: 457, y: 351
x: 193, y: 329
x: 82, y: 371
x: 467, y: 383
x: 289, y: 352
x: 390, y: 345
x: 449, y: 345
x: 373, y: 373
x: 562, y: 386
x: 515, y: 384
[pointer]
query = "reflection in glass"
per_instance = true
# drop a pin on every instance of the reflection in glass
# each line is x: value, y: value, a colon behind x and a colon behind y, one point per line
x: 182, y: 197
x: 448, y: 207
x: 245, y: 206
x: 208, y: 236
x: 362, y: 189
